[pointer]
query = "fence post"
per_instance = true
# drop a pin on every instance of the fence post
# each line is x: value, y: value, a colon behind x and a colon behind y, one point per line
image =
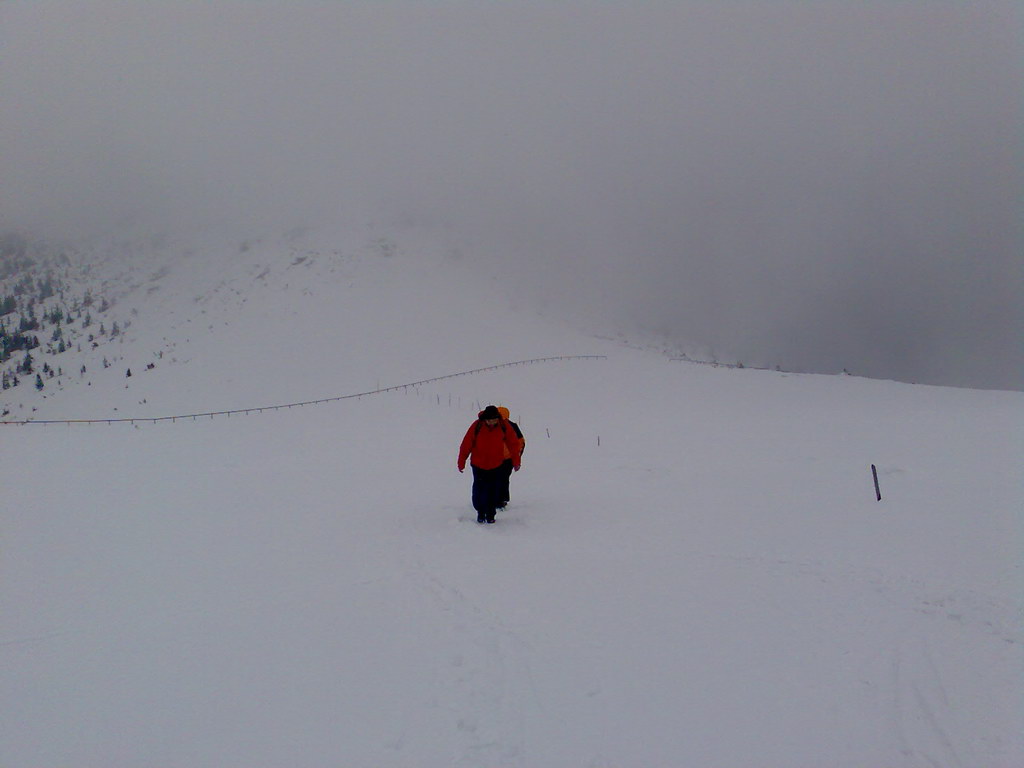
x: 874, y: 474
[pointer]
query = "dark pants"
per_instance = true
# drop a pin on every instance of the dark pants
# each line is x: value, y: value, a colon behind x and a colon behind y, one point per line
x: 487, y: 489
x: 506, y: 473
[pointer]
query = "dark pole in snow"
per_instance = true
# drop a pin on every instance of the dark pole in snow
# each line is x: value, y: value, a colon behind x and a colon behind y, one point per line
x: 874, y: 474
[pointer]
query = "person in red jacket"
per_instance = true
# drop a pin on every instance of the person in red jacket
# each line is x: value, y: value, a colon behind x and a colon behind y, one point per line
x: 484, y: 445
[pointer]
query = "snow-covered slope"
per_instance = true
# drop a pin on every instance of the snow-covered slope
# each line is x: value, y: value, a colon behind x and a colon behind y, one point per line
x: 230, y: 326
x: 693, y: 570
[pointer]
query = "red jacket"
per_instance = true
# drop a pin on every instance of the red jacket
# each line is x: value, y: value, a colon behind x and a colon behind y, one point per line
x: 487, y: 446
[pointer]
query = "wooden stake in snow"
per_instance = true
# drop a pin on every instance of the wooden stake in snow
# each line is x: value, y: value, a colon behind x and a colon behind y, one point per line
x: 874, y: 474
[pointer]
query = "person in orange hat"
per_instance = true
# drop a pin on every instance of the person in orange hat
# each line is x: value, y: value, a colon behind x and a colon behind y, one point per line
x: 485, y: 445
x: 506, y: 465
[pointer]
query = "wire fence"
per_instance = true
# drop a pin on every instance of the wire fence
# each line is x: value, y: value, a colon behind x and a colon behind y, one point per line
x: 284, y: 406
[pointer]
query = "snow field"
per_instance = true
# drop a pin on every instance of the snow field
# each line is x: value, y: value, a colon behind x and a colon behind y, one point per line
x: 693, y: 569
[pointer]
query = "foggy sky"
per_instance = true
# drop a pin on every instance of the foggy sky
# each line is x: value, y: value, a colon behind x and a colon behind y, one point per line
x: 813, y: 184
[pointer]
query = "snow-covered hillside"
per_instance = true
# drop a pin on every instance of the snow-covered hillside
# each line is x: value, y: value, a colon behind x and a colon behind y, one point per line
x: 693, y: 570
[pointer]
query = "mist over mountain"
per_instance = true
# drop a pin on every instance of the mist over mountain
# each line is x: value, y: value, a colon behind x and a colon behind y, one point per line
x: 817, y: 187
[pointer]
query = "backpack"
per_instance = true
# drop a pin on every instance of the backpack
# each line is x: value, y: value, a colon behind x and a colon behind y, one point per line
x: 519, y: 434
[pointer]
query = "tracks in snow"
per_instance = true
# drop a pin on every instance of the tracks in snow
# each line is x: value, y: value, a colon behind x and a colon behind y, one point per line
x: 488, y: 685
